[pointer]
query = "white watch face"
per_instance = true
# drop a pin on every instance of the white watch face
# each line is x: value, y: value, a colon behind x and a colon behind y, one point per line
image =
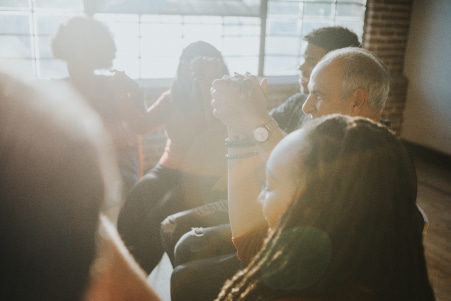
x: 261, y: 134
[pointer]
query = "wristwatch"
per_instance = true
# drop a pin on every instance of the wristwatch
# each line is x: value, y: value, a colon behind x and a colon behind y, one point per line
x: 261, y: 133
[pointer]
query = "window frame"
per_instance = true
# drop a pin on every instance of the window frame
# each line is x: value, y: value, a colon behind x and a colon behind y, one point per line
x: 34, y: 12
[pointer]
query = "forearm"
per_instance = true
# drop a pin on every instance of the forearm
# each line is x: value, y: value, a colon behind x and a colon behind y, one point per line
x: 246, y: 177
x: 262, y: 120
x: 244, y: 182
x: 265, y: 148
x: 241, y: 105
x: 155, y: 116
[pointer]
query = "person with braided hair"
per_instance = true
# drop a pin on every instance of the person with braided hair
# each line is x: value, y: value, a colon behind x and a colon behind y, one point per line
x: 339, y: 203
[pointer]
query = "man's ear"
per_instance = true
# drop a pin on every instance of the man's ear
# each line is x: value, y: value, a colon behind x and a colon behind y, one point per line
x: 359, y: 101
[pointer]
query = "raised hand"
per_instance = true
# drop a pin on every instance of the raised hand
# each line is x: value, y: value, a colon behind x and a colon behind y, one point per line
x: 204, y: 71
x: 240, y: 102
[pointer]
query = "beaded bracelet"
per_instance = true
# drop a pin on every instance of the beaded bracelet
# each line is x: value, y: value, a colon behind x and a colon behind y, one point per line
x: 237, y: 143
x: 240, y: 156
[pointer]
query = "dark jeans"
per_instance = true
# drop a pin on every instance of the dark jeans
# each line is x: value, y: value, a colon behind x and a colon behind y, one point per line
x: 201, y: 243
x: 158, y: 194
x: 204, y: 259
x: 128, y: 167
x: 202, y: 280
x: 176, y: 225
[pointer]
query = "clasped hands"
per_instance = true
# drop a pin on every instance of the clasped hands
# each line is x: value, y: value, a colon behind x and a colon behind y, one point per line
x: 239, y: 101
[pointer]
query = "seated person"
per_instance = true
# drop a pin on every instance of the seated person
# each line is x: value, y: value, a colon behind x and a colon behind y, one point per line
x: 58, y: 175
x: 192, y: 169
x: 339, y: 215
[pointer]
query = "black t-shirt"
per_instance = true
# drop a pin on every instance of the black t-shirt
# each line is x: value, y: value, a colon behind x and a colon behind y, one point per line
x: 289, y: 114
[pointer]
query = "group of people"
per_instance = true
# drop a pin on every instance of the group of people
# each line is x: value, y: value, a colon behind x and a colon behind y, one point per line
x: 312, y: 200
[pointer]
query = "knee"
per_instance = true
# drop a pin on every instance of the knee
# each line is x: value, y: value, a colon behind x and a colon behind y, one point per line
x: 130, y: 215
x: 167, y: 229
x: 135, y: 202
x: 188, y: 245
x: 174, y: 226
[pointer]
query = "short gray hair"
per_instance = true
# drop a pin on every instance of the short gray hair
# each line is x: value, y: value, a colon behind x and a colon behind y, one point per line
x: 363, y: 69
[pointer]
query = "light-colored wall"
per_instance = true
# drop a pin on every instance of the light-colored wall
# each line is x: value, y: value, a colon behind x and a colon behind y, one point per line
x: 427, y: 117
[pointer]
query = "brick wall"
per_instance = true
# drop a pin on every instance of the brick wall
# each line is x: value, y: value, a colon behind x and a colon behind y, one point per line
x: 386, y: 30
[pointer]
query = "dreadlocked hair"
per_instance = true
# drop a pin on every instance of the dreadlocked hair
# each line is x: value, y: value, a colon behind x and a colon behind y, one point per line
x: 353, y: 228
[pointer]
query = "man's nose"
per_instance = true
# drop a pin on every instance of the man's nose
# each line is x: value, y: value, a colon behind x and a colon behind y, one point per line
x: 309, y: 105
x: 301, y: 66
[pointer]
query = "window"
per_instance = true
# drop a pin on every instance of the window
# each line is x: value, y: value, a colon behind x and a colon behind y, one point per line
x: 287, y: 21
x: 259, y: 36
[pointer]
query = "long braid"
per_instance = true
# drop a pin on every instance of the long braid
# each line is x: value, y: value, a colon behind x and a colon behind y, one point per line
x: 361, y: 184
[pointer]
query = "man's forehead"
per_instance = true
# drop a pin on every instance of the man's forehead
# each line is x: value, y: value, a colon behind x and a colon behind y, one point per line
x: 325, y: 73
x: 329, y: 67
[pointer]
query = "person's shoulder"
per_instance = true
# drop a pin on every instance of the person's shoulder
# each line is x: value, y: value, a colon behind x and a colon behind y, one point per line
x: 295, y: 100
x: 291, y: 104
x: 297, y: 97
